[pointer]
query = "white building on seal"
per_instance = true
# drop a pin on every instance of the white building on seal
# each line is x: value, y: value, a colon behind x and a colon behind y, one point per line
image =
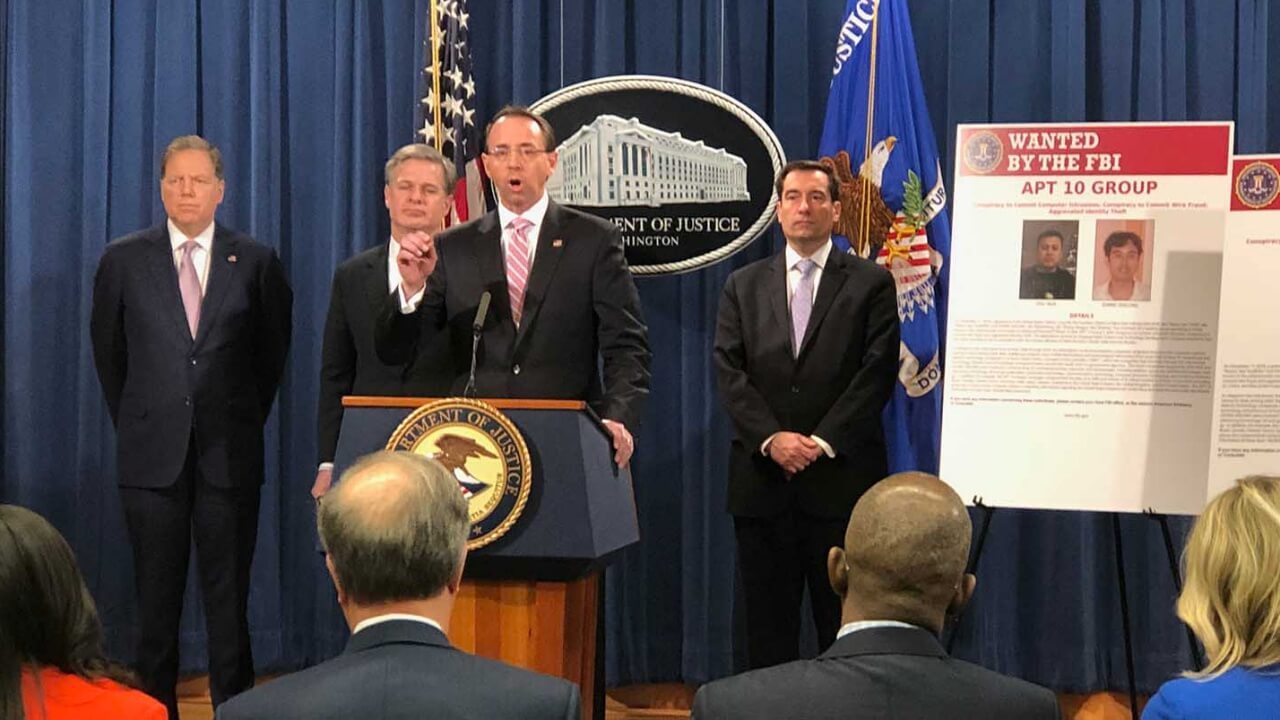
x: 617, y: 162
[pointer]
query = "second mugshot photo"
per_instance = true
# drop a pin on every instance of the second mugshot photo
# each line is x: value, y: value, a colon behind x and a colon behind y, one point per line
x: 1122, y: 260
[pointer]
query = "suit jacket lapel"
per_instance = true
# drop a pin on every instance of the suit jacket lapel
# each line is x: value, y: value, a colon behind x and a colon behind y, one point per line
x: 375, y: 279
x: 486, y: 252
x: 545, y: 261
x: 165, y: 276
x: 833, y: 277
x: 222, y: 263
x: 776, y: 288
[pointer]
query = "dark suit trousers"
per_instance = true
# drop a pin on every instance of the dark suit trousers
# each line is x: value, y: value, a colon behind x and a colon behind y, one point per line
x: 224, y: 523
x: 778, y: 557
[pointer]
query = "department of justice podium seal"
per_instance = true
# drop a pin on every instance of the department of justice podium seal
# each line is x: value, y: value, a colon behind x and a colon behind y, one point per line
x: 1257, y: 185
x: 485, y: 453
x: 983, y: 152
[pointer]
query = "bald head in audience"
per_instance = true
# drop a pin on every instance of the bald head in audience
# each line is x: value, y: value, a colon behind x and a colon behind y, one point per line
x: 395, y: 532
x: 904, y: 554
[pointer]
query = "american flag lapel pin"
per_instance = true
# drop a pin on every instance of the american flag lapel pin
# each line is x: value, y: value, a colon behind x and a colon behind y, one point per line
x: 232, y: 259
x: 557, y: 243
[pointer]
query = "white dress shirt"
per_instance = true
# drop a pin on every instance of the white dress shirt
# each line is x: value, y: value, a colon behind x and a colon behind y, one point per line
x: 535, y: 215
x: 1141, y: 291
x: 393, y: 267
x: 378, y: 619
x: 854, y: 627
x: 199, y: 257
x: 794, y: 275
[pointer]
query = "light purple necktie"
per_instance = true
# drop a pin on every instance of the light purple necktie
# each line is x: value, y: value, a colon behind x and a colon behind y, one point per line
x: 802, y: 303
x: 189, y: 285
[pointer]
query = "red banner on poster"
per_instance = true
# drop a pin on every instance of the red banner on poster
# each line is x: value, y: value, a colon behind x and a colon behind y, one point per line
x: 1095, y: 149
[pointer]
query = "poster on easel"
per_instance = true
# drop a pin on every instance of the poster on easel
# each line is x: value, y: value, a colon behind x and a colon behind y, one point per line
x: 1246, y: 407
x: 1083, y: 313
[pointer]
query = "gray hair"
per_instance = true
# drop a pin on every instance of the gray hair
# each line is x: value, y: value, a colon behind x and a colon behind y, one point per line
x: 192, y: 142
x: 394, y: 527
x: 420, y: 151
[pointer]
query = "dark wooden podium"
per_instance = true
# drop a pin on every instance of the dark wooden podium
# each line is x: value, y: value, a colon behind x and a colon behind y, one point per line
x: 533, y: 598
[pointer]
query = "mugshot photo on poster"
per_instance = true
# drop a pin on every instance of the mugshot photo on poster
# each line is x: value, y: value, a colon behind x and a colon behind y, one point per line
x: 1048, y: 261
x: 1122, y: 260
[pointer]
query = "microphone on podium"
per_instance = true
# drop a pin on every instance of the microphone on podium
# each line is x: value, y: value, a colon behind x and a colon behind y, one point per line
x: 482, y: 311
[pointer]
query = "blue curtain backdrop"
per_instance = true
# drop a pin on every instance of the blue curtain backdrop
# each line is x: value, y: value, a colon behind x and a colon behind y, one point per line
x: 307, y: 99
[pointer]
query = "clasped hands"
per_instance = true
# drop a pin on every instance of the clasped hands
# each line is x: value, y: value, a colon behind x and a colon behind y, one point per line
x: 793, y: 452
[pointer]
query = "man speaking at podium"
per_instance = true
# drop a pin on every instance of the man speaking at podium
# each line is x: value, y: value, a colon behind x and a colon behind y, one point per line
x: 560, y: 295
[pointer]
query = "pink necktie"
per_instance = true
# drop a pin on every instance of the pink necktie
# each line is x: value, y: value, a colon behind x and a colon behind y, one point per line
x: 189, y: 285
x: 518, y: 265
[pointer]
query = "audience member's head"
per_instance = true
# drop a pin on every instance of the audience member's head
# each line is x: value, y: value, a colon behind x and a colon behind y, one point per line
x: 1231, y: 599
x: 904, y: 554
x: 47, y: 617
x: 395, y: 530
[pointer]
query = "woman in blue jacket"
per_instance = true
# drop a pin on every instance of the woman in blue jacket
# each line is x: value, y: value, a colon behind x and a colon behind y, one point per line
x: 1231, y: 602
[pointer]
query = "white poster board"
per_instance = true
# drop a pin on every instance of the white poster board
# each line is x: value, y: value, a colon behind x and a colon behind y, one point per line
x: 1091, y: 391
x: 1246, y: 408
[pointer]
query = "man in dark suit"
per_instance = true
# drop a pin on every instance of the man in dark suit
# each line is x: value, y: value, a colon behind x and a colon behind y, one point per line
x: 562, y: 296
x: 806, y: 355
x: 395, y: 530
x: 418, y: 195
x: 900, y: 573
x: 190, y: 328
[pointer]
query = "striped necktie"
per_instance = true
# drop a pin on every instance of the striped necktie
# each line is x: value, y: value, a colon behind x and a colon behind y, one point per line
x: 518, y: 265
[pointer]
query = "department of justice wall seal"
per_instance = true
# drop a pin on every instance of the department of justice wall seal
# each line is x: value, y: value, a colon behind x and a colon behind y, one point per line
x: 1257, y: 185
x: 683, y: 170
x: 483, y: 450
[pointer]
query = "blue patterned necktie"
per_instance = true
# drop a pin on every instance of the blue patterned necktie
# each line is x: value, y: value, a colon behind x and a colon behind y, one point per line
x: 802, y: 303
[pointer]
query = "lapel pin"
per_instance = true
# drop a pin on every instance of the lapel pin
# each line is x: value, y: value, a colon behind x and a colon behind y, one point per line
x: 557, y: 243
x: 232, y: 258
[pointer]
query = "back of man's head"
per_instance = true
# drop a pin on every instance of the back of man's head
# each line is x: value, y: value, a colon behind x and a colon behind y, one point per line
x: 395, y: 529
x: 905, y: 552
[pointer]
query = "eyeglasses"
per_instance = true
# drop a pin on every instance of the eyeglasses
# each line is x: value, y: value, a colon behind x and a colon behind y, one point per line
x: 524, y: 152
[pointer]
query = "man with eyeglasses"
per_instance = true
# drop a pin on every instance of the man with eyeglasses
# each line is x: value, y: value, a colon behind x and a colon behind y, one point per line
x: 418, y: 193
x: 190, y: 327
x: 1123, y: 251
x: 562, y: 297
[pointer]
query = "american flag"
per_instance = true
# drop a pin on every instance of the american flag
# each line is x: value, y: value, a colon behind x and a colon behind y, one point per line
x: 449, y: 108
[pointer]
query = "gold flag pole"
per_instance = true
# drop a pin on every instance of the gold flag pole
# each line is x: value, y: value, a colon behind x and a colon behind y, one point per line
x: 438, y: 134
x: 864, y: 210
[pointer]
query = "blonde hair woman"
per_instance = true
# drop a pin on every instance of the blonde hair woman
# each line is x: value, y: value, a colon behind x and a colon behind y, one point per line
x: 1231, y: 601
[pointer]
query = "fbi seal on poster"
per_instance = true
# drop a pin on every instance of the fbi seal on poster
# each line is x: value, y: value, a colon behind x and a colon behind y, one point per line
x: 983, y: 152
x: 1257, y: 185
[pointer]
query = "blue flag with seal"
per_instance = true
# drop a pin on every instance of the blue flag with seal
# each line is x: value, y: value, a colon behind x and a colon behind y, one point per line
x: 878, y: 140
